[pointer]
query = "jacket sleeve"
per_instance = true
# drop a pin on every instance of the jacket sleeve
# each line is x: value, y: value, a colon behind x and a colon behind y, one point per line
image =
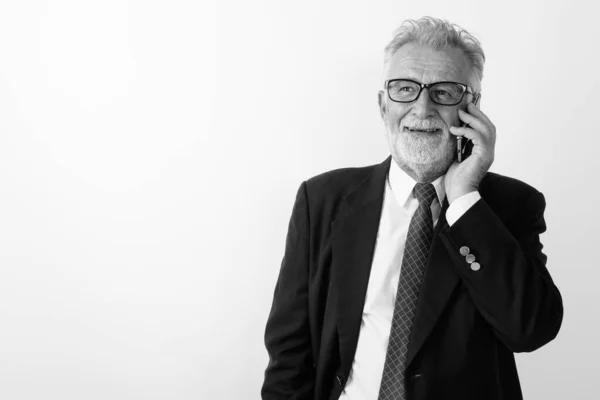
x: 289, y: 374
x: 512, y: 290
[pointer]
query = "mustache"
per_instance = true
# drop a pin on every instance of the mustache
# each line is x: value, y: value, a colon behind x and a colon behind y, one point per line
x: 413, y: 122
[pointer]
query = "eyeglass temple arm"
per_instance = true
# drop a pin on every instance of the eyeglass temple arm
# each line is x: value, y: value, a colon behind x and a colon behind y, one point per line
x: 476, y: 97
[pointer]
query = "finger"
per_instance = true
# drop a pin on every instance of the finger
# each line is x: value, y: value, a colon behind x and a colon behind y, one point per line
x: 479, y: 114
x: 472, y: 121
x: 488, y: 132
x: 468, y: 133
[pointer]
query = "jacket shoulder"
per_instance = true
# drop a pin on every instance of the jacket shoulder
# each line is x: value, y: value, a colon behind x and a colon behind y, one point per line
x: 507, y: 195
x: 501, y: 184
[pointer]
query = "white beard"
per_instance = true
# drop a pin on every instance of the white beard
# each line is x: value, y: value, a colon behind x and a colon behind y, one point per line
x: 425, y: 157
x: 420, y: 149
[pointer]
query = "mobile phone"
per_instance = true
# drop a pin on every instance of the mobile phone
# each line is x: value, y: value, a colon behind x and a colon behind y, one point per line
x: 463, y: 150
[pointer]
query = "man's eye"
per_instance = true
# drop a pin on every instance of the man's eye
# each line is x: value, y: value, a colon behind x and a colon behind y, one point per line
x: 442, y: 93
x: 405, y: 89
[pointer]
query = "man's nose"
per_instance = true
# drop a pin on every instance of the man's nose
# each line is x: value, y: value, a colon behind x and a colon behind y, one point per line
x: 423, y: 107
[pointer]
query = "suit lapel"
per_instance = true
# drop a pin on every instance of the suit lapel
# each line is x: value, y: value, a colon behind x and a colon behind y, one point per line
x: 354, y: 239
x: 439, y: 282
x: 354, y: 236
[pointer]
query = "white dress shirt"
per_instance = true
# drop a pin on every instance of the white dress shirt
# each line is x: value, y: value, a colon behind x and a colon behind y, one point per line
x: 399, y: 205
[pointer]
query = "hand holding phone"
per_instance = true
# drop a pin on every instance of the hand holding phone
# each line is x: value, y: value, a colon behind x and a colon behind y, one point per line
x: 465, y: 177
x: 463, y: 150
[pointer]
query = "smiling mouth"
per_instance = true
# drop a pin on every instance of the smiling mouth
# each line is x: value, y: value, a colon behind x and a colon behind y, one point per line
x: 434, y: 130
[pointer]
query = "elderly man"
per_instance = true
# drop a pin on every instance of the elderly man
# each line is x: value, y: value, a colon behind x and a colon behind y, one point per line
x: 417, y: 278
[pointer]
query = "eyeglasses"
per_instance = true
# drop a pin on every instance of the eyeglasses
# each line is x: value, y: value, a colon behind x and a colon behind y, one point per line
x: 443, y: 93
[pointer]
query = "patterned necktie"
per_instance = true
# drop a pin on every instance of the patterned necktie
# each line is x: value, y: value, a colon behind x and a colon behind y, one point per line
x: 418, y: 240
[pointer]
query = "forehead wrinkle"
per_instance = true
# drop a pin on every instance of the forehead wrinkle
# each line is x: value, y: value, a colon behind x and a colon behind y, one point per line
x: 428, y: 65
x: 439, y: 65
x: 429, y: 60
x: 419, y: 69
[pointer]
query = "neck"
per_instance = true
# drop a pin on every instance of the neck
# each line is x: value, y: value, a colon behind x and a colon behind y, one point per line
x: 423, y: 173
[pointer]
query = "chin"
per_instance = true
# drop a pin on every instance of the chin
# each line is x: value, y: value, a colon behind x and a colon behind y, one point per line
x: 424, y: 160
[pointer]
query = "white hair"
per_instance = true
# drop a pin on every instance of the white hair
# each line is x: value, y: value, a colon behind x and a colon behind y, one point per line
x: 439, y: 34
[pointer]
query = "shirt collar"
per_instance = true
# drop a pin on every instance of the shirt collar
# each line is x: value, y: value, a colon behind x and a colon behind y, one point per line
x: 402, y: 185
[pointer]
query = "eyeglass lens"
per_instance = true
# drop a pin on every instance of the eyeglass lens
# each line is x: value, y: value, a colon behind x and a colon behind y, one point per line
x: 446, y: 93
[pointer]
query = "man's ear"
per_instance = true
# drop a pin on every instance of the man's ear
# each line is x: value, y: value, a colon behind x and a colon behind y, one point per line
x: 382, y: 104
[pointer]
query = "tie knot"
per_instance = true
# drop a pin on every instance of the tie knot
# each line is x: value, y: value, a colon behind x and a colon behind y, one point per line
x: 425, y: 193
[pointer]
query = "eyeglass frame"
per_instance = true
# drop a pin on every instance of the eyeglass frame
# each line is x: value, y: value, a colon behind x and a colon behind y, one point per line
x: 427, y: 86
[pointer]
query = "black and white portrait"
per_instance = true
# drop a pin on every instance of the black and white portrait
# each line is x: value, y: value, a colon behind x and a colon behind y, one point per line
x: 280, y: 200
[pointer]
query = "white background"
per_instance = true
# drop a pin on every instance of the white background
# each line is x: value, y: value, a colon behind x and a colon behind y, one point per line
x: 150, y: 152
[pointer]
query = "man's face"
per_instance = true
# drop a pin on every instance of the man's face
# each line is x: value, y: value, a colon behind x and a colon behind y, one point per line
x: 417, y: 132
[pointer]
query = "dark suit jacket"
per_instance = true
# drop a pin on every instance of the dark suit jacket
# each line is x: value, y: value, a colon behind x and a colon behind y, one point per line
x: 468, y: 323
